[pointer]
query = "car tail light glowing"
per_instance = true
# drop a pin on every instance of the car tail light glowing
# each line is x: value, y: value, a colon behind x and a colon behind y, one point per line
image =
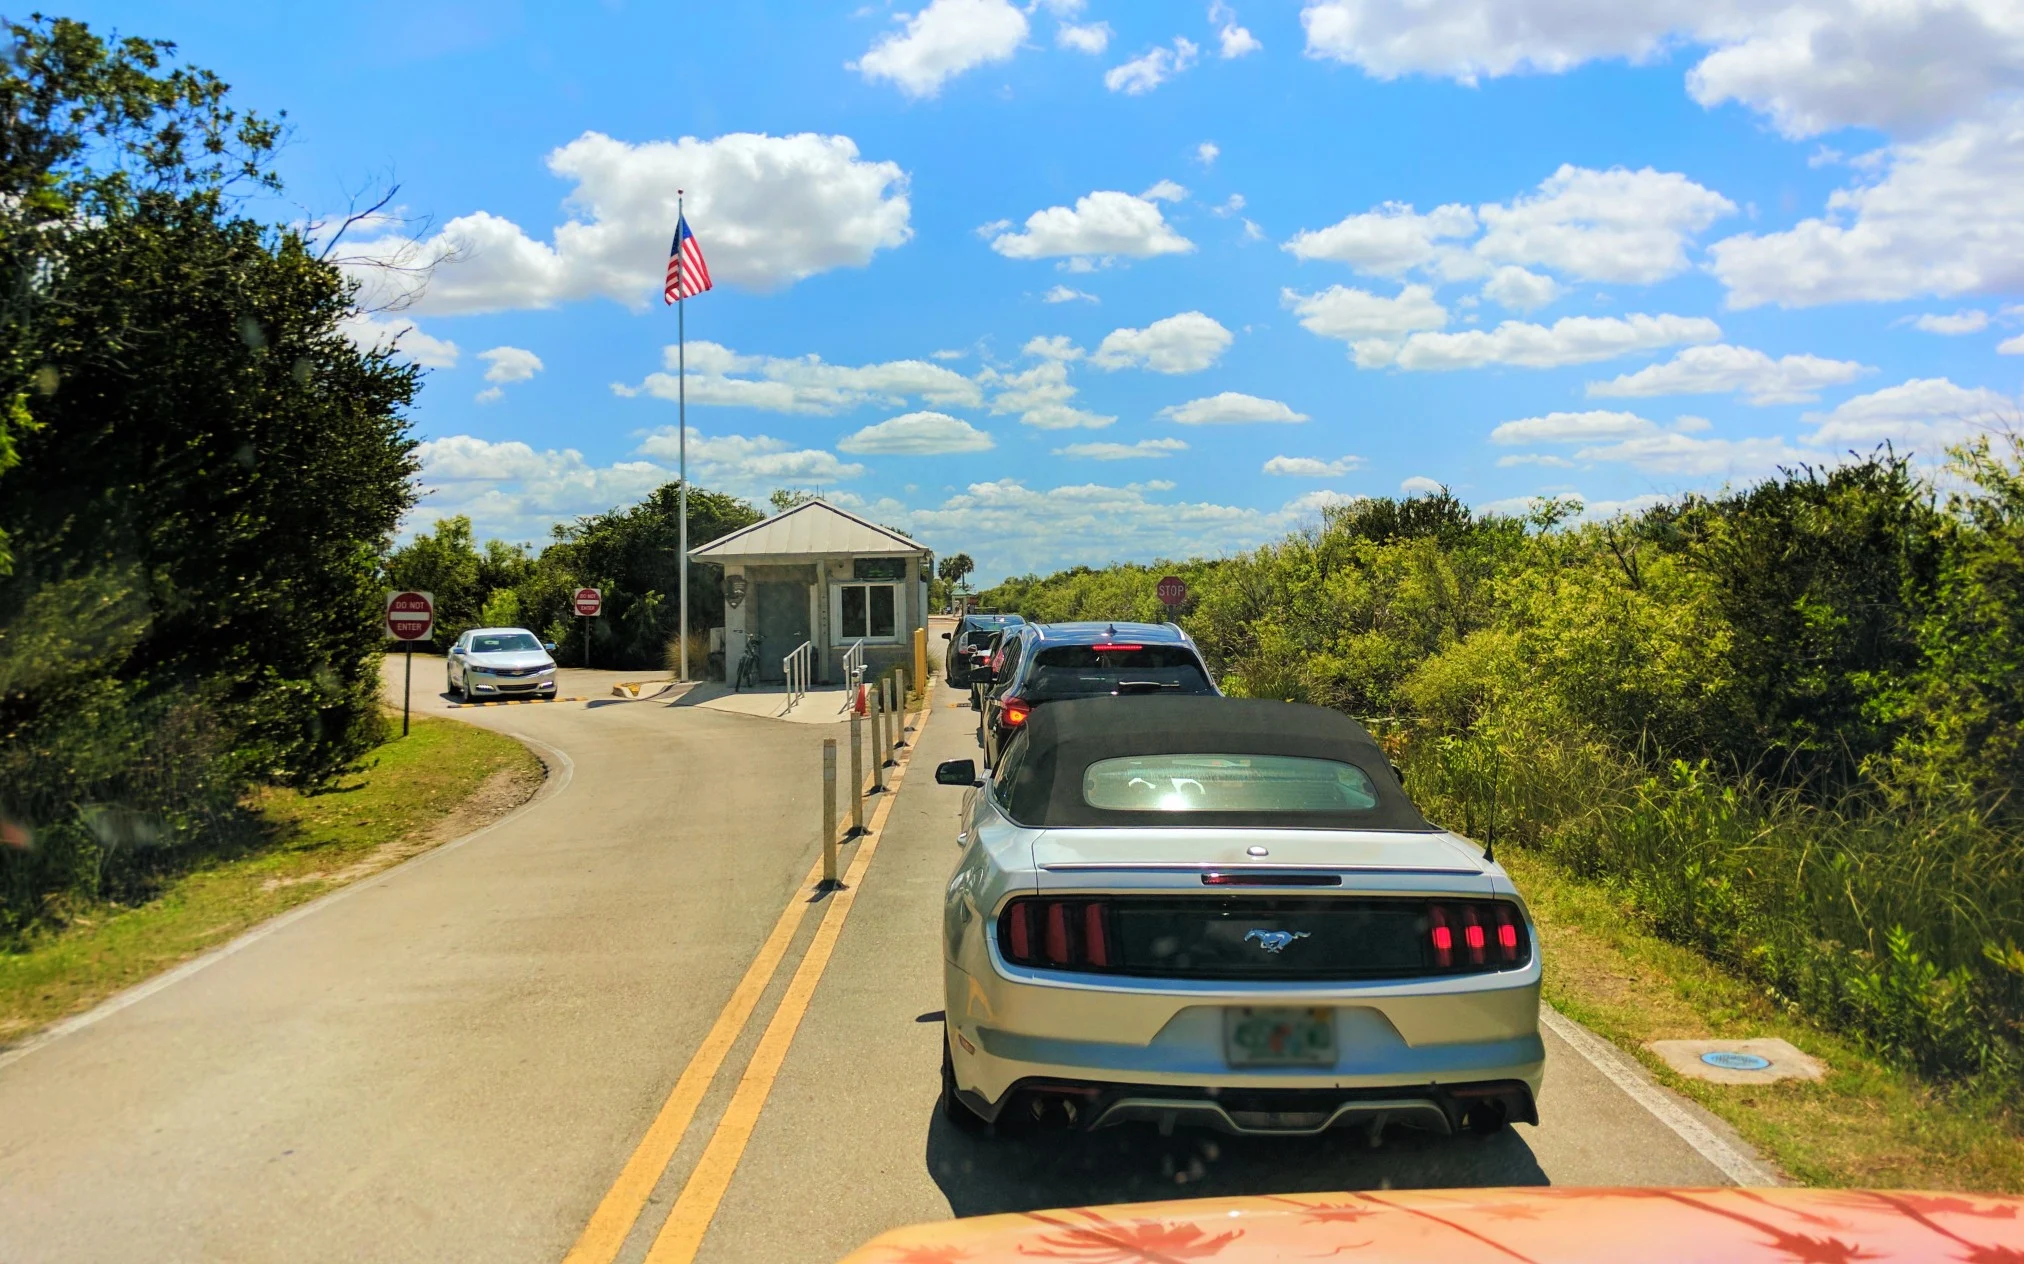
x: 1013, y: 711
x: 1107, y: 646
x: 1069, y: 934
x: 1480, y: 922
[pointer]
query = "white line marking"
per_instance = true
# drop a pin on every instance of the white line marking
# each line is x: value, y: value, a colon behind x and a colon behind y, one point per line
x: 566, y: 772
x: 1628, y: 1076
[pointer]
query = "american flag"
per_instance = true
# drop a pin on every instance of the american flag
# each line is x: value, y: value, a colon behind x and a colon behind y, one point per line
x: 688, y: 275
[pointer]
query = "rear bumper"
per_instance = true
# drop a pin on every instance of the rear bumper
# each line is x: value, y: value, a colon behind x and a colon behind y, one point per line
x: 1268, y: 1112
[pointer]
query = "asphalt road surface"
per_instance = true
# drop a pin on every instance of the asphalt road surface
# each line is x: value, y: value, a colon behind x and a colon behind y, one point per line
x: 622, y: 1025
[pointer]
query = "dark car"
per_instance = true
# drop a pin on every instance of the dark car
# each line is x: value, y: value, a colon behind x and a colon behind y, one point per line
x: 970, y: 644
x: 1050, y: 662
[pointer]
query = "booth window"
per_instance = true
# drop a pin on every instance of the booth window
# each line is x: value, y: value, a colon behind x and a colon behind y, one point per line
x: 867, y: 611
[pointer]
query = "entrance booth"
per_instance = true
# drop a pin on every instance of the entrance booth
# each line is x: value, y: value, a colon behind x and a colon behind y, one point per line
x: 820, y: 575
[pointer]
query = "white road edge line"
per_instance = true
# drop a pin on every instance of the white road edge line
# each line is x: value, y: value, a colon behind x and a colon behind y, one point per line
x: 1628, y: 1076
x: 565, y: 772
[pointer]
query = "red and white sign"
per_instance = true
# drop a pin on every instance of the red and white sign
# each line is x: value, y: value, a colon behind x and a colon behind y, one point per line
x: 589, y: 602
x: 1172, y: 591
x: 411, y: 616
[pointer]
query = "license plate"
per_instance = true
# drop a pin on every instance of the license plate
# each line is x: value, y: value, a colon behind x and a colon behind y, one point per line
x: 1258, y: 1035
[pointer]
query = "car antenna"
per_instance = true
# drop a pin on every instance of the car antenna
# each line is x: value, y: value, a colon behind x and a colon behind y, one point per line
x: 1111, y: 631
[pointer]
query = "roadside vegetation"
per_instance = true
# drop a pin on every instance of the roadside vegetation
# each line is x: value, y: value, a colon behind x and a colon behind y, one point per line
x: 441, y: 782
x: 1781, y: 727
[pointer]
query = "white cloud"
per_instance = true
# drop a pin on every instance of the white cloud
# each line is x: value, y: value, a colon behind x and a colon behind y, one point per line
x: 1547, y: 459
x: 1052, y: 347
x: 1421, y: 485
x: 1065, y: 294
x: 1945, y: 218
x: 1102, y: 223
x: 803, y: 384
x: 942, y: 41
x: 1811, y: 66
x: 510, y: 364
x: 1229, y: 206
x: 1230, y: 408
x: 1062, y: 417
x: 917, y: 434
x: 515, y: 492
x: 1091, y: 37
x: 1041, y: 395
x: 1721, y: 369
x: 1388, y: 241
x: 1571, y: 340
x: 1236, y: 41
x: 1967, y: 321
x: 1521, y: 291
x: 1207, y: 152
x: 769, y: 211
x: 1585, y: 427
x: 1151, y: 69
x: 1165, y: 191
x: 744, y: 464
x: 1185, y: 343
x: 1371, y: 324
x: 401, y: 337
x: 1924, y: 413
x: 2011, y: 346
x: 1312, y: 467
x: 1160, y: 448
x: 1616, y: 225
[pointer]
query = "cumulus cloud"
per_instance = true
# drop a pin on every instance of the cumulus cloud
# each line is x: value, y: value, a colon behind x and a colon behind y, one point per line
x: 942, y: 41
x: 1235, y: 40
x: 1207, y: 152
x: 1101, y: 224
x: 802, y: 384
x: 1923, y: 414
x: 1585, y: 427
x: 769, y: 210
x: 1052, y: 347
x: 1721, y: 369
x: 1165, y: 191
x: 1066, y: 294
x: 1157, y: 448
x: 401, y: 337
x: 1371, y: 324
x: 1644, y: 445
x: 1312, y: 467
x: 1152, y: 68
x: 504, y: 365
x: 1967, y: 321
x: 1572, y: 340
x: 917, y: 434
x: 745, y: 464
x: 1230, y: 408
x: 1091, y: 37
x: 1388, y: 241
x: 1616, y: 225
x: 1521, y: 291
x: 1041, y: 395
x: 1185, y: 343
x: 2011, y: 346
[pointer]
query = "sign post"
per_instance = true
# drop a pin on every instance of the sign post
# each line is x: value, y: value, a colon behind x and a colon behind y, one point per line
x: 589, y: 603
x: 1172, y: 593
x: 410, y: 617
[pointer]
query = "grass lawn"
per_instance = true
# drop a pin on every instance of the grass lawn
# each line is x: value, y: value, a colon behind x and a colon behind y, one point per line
x: 443, y: 780
x: 1867, y: 1124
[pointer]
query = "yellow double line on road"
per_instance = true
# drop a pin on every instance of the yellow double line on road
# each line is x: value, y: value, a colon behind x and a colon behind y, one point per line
x: 682, y: 1234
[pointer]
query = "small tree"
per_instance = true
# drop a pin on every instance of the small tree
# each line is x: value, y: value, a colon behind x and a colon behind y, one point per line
x: 954, y: 568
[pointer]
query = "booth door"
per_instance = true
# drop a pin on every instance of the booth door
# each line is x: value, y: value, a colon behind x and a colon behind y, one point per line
x: 783, y: 624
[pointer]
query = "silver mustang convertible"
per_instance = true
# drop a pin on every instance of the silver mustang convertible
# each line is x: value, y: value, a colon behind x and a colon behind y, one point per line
x: 1226, y: 912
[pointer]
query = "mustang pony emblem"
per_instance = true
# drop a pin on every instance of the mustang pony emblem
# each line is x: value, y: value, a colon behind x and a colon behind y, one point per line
x: 1275, y: 940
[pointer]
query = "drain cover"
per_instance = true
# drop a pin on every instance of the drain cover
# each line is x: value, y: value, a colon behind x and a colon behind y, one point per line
x: 1729, y: 1060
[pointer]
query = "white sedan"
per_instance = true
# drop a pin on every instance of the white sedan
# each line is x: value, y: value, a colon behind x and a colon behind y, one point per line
x: 500, y: 663
x: 1226, y: 912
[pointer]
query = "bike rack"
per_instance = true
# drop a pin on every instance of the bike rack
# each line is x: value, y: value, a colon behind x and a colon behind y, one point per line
x: 796, y: 666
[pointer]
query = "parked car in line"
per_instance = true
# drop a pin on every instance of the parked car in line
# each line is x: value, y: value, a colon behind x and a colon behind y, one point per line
x: 970, y: 644
x: 1226, y: 912
x: 1041, y: 663
x: 500, y: 663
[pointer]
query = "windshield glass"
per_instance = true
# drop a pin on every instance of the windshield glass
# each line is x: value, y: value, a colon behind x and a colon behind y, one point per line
x: 1084, y: 671
x: 504, y: 643
x: 1227, y: 783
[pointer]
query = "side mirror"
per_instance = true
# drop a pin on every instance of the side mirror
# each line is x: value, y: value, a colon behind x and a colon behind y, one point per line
x: 549, y: 646
x: 957, y: 772
x: 945, y: 636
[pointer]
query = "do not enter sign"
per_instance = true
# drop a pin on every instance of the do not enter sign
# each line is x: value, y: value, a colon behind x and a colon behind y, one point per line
x: 1172, y: 591
x: 589, y: 602
x: 411, y: 616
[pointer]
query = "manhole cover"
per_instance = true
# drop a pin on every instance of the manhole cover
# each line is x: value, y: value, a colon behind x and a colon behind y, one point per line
x: 1730, y: 1061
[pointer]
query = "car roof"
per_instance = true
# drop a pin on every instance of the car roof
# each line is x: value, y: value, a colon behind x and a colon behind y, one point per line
x: 1090, y: 633
x: 499, y: 632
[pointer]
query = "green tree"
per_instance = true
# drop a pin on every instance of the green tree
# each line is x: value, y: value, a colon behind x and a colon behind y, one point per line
x: 444, y: 562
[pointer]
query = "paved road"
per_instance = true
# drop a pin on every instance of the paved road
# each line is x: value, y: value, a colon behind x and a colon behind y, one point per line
x: 460, y: 1061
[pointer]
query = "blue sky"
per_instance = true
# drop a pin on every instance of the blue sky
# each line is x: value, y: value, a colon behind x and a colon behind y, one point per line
x: 1075, y: 282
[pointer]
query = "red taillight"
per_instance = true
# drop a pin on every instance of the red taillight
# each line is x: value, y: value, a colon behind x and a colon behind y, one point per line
x: 1472, y: 934
x: 1507, y: 933
x: 1469, y: 926
x: 1014, y: 712
x: 1104, y: 649
x: 1069, y: 934
x: 1444, y: 939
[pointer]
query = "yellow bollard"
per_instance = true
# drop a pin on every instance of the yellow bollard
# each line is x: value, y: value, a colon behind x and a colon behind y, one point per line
x: 878, y: 755
x: 828, y: 811
x: 921, y: 660
x: 856, y: 773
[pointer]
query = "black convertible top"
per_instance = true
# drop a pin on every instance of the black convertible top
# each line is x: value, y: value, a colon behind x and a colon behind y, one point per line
x: 1064, y: 738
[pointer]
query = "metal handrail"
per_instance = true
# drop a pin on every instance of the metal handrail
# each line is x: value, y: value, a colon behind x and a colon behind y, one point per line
x: 795, y: 666
x: 853, y: 664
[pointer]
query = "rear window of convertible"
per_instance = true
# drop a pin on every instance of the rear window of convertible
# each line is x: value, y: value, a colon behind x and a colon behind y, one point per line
x: 1226, y: 783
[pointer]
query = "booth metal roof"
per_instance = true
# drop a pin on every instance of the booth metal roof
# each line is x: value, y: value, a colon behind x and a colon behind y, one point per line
x: 814, y: 528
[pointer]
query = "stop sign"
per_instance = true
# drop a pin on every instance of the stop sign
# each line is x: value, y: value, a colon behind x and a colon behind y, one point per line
x: 411, y: 616
x: 1172, y: 591
x: 588, y: 601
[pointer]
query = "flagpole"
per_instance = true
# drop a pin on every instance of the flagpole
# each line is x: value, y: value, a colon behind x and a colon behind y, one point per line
x: 682, y: 421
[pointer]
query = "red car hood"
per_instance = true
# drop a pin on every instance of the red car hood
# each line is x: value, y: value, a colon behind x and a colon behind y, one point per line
x: 1605, y: 1226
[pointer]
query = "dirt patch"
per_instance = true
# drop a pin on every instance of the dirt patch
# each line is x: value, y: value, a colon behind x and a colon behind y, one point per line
x: 497, y: 795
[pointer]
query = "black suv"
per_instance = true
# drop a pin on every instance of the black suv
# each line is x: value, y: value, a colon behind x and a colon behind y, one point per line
x: 1049, y: 662
x: 970, y: 645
